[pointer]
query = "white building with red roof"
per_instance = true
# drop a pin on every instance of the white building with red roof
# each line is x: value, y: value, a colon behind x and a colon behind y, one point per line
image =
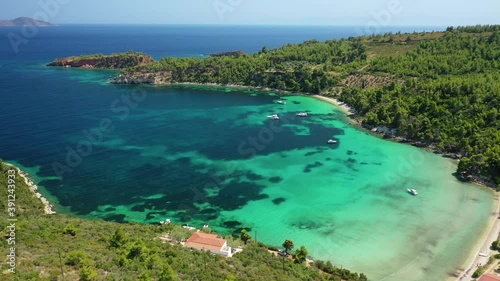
x: 209, y: 242
x: 489, y: 277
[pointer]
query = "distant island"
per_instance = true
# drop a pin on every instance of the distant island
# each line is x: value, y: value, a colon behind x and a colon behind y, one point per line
x: 24, y: 21
x: 100, y: 61
x: 437, y: 90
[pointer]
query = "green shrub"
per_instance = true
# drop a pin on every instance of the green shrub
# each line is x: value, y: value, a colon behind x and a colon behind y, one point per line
x: 118, y: 239
x: 76, y: 257
x: 70, y: 229
x: 87, y: 273
x: 478, y: 273
x: 494, y: 245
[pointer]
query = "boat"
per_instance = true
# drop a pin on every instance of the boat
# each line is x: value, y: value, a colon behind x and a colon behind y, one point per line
x: 412, y: 191
x: 330, y: 141
x: 188, y: 227
x: 302, y: 114
x: 273, y: 116
x: 280, y: 101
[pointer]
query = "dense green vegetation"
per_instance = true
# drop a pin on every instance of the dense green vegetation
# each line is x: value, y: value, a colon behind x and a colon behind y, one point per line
x: 438, y: 89
x: 48, y: 246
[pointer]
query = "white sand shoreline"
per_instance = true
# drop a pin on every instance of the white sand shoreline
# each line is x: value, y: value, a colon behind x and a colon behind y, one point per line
x: 490, y: 234
x: 48, y: 208
x: 346, y: 108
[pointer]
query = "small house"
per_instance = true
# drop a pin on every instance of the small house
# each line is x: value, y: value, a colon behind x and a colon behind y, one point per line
x: 489, y: 277
x: 209, y: 242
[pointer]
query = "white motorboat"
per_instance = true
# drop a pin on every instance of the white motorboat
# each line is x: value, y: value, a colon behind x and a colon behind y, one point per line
x: 302, y: 114
x: 273, y: 116
x: 330, y: 141
x: 282, y: 102
x: 412, y: 191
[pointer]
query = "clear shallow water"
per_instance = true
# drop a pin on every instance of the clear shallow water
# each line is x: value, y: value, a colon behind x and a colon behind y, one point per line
x: 202, y: 155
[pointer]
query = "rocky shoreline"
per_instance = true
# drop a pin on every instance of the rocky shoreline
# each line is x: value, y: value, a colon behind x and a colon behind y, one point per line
x: 227, y: 54
x: 48, y: 208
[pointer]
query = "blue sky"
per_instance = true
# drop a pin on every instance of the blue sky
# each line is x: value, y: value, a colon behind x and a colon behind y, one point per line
x: 282, y: 12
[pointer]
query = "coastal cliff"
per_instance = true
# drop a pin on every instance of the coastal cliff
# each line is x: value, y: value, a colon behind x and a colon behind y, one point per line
x: 100, y: 61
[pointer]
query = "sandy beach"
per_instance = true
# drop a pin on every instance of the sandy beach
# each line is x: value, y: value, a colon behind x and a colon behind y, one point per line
x: 346, y: 108
x: 48, y: 208
x: 491, y: 233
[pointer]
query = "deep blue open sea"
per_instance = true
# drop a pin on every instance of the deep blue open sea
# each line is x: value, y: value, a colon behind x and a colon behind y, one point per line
x: 201, y: 155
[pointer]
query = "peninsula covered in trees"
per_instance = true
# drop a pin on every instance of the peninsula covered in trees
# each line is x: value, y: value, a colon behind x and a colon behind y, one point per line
x: 437, y: 89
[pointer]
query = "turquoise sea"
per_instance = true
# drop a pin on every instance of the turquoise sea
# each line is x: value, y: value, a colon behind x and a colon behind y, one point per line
x: 203, y: 155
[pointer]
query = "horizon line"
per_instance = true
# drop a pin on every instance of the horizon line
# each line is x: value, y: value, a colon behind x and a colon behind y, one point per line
x: 266, y: 24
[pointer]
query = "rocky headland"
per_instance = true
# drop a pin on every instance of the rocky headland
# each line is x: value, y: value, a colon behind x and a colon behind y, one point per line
x: 100, y: 61
x: 227, y: 54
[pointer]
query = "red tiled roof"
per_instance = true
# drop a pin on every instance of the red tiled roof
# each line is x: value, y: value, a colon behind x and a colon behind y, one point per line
x: 200, y: 240
x: 489, y: 277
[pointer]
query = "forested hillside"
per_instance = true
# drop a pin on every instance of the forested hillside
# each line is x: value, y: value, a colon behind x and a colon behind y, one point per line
x: 450, y: 98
